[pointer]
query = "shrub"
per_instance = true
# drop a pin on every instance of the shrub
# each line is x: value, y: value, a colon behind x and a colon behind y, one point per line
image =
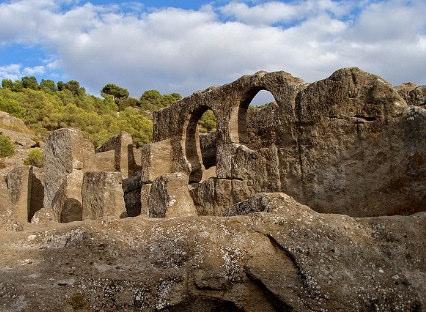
x: 34, y: 158
x: 6, y: 146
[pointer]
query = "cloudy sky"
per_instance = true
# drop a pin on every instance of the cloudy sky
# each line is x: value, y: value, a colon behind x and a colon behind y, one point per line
x: 189, y: 45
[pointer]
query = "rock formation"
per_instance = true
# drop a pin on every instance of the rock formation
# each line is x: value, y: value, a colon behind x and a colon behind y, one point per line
x: 314, y: 202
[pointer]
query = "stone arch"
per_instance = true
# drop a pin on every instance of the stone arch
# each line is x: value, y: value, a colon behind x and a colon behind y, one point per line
x: 72, y: 210
x: 193, y: 153
x: 238, y: 120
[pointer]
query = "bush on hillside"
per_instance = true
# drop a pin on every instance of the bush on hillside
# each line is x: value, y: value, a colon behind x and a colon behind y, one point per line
x: 35, y: 158
x: 6, y: 146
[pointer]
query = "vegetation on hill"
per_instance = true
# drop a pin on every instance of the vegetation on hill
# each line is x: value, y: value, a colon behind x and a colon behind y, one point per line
x: 47, y: 106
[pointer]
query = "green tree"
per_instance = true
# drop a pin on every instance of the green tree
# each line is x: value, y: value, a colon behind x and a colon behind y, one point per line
x: 17, y: 86
x: 48, y: 85
x: 7, y: 84
x: 208, y: 121
x: 129, y: 102
x: 74, y: 87
x: 30, y: 83
x: 60, y: 85
x: 116, y: 91
x: 153, y: 100
x: 6, y: 146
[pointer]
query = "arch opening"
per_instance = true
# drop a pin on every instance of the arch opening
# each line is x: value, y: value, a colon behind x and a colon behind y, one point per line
x: 242, y: 116
x: 200, y: 144
x: 71, y: 211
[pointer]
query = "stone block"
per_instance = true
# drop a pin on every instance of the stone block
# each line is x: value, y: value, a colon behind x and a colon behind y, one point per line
x: 102, y: 195
x: 157, y: 160
x: 169, y: 197
x: 67, y: 204
x: 65, y: 150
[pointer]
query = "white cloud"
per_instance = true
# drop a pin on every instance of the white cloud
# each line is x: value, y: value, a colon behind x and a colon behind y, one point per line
x: 274, y: 11
x: 16, y: 71
x: 185, y: 50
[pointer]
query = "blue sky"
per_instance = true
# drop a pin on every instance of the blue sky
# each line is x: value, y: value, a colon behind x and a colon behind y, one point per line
x: 185, y: 46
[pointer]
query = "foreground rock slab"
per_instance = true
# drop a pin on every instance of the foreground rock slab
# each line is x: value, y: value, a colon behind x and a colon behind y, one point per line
x: 294, y: 260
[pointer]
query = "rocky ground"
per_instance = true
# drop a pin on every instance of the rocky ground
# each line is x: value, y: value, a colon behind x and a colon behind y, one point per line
x: 288, y: 259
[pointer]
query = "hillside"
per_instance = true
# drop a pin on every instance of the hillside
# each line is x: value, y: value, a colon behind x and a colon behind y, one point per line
x: 47, y: 106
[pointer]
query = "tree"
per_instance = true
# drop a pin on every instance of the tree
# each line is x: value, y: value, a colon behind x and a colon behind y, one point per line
x: 74, y: 87
x: 7, y: 84
x: 207, y: 121
x: 153, y: 100
x: 17, y: 86
x: 116, y: 91
x: 30, y: 83
x: 60, y: 86
x: 48, y: 85
x: 129, y: 102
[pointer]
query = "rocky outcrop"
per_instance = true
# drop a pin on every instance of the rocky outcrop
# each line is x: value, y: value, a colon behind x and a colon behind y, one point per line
x: 293, y: 259
x: 348, y: 144
x: 412, y: 94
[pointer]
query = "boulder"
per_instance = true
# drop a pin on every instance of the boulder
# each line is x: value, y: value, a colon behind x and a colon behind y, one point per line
x: 216, y: 197
x: 267, y: 202
x: 43, y: 216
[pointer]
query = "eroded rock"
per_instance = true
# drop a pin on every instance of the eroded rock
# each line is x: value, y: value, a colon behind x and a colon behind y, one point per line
x: 102, y: 194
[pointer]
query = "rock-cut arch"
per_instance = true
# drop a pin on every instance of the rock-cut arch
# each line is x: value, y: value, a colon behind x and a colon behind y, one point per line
x: 238, y: 124
x: 193, y: 153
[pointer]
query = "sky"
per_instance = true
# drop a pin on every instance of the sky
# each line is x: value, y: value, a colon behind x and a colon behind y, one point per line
x: 185, y: 46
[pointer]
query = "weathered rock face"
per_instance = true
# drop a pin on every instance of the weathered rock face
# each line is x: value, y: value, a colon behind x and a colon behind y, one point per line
x: 412, y: 94
x: 348, y: 144
x: 102, y: 194
x: 169, y: 197
x: 17, y: 184
x: 125, y: 157
x: 67, y: 204
x: 356, y: 146
x: 292, y: 259
x: 66, y: 150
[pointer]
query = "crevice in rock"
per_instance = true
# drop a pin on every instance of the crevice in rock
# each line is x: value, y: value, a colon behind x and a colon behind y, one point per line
x: 276, y: 301
x: 366, y: 118
x: 284, y: 250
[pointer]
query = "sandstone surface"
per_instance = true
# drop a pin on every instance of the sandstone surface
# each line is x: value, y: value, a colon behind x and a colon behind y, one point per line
x: 293, y: 259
